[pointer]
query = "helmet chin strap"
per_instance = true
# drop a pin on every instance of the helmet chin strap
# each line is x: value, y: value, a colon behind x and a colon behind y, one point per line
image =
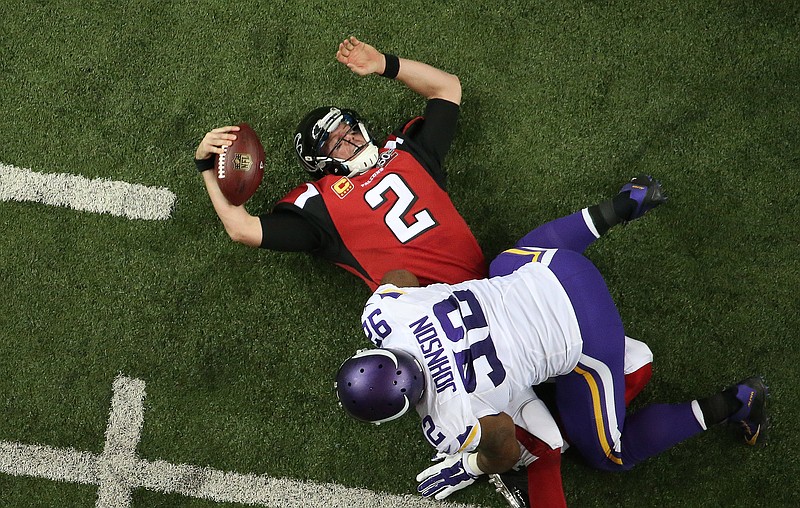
x: 365, y: 160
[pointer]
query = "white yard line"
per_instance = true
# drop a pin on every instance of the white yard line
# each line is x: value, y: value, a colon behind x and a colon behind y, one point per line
x: 118, y: 470
x: 59, y: 464
x: 123, y: 433
x: 123, y: 199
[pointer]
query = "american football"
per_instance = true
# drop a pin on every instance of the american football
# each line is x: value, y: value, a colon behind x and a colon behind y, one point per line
x: 240, y: 168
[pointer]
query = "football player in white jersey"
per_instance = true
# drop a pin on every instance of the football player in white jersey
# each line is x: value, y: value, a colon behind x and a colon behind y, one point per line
x: 466, y: 355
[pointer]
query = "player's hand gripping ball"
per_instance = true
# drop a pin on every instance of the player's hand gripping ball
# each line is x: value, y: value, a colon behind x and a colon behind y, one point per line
x: 240, y: 168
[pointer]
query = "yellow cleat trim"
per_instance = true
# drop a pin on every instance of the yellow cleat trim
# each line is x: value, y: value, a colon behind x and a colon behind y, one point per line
x: 752, y: 440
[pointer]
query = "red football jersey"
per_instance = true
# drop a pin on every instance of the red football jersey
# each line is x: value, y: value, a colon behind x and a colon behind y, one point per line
x: 394, y: 216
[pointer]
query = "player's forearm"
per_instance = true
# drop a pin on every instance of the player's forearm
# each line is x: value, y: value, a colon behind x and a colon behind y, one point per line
x: 430, y: 82
x: 498, y: 450
x: 240, y: 225
x: 491, y: 464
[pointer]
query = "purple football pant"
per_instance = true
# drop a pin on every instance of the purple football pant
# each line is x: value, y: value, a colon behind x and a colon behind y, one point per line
x: 591, y: 398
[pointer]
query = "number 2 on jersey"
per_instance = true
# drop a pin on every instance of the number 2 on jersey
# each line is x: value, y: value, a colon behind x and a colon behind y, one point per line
x: 395, y: 216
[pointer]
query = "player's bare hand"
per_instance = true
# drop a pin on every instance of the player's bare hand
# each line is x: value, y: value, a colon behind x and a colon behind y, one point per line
x: 214, y: 141
x: 360, y: 57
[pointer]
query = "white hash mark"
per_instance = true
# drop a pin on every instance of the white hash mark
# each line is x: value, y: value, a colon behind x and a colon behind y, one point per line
x: 118, y: 470
x: 122, y: 199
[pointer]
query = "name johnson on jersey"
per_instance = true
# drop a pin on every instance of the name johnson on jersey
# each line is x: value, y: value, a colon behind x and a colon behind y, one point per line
x: 436, y: 358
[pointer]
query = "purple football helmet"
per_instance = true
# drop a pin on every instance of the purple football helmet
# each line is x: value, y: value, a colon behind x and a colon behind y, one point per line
x: 379, y: 385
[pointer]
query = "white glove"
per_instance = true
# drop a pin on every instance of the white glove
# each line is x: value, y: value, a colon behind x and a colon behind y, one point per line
x: 452, y: 474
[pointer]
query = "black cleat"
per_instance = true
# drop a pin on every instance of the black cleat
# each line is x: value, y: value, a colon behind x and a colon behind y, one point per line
x: 752, y: 416
x: 646, y: 192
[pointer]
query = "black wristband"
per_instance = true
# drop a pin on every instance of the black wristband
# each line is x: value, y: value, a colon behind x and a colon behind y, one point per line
x: 204, y: 164
x: 392, y: 66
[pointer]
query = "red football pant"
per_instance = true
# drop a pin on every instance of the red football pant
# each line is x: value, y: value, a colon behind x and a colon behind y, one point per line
x: 545, y: 489
x: 636, y: 381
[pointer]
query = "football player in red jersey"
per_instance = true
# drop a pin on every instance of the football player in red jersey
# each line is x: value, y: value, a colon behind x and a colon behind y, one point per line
x: 369, y: 209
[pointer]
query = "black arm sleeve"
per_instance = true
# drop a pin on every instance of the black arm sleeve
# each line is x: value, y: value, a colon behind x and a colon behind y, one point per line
x: 430, y: 140
x: 289, y: 232
x: 439, y: 128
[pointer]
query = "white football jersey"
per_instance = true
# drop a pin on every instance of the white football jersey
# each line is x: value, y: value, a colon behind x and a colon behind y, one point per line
x: 482, y: 345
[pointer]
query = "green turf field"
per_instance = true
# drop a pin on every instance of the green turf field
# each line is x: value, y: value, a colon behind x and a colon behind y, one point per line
x: 563, y: 101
